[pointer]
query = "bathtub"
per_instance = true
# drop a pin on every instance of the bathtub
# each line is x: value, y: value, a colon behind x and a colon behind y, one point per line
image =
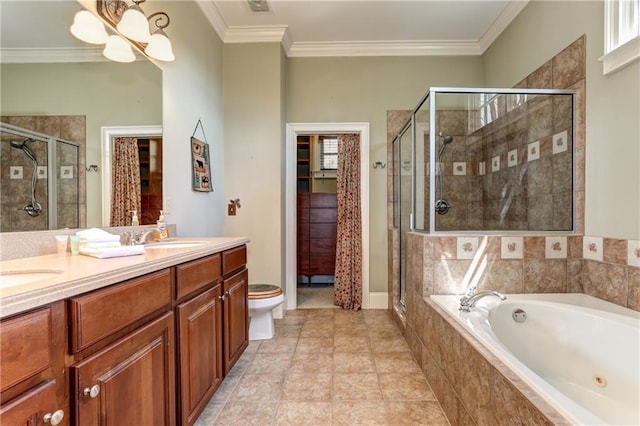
x: 579, y: 353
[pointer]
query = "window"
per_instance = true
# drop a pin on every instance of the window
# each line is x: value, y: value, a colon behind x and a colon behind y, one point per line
x: 622, y: 34
x: 328, y: 153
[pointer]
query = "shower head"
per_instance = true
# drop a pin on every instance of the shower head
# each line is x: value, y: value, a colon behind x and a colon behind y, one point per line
x: 446, y: 139
x: 23, y: 146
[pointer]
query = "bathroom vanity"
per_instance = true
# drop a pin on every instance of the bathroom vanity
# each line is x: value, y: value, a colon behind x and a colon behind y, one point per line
x: 87, y: 346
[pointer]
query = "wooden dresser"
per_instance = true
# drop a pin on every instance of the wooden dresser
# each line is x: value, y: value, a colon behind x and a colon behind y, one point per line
x: 317, y: 231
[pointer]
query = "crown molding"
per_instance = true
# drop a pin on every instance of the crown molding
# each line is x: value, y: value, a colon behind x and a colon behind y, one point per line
x: 508, y: 14
x: 384, y: 48
x: 256, y: 34
x: 59, y: 55
x: 214, y: 17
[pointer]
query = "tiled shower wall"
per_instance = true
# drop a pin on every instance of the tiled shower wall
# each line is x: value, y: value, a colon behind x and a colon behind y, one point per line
x: 497, y: 176
x: 16, y: 192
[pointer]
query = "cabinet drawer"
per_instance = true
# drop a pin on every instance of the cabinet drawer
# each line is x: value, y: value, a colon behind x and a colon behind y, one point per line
x: 234, y: 260
x: 96, y: 315
x: 197, y: 274
x: 322, y: 200
x: 25, y: 345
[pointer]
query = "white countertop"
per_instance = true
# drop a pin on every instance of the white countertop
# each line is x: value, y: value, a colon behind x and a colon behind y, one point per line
x: 81, y: 274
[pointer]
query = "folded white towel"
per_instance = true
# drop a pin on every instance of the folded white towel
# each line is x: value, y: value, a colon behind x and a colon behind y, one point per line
x: 96, y: 235
x: 90, y: 244
x: 106, y: 252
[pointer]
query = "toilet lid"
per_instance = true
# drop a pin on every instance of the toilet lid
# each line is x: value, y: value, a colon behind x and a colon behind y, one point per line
x: 262, y: 291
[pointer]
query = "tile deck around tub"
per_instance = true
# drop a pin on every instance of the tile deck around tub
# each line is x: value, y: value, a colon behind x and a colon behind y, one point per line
x: 326, y: 367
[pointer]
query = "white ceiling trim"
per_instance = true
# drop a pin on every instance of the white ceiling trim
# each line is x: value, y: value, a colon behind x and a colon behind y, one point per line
x: 503, y: 20
x: 255, y: 34
x: 59, y: 55
x: 387, y: 48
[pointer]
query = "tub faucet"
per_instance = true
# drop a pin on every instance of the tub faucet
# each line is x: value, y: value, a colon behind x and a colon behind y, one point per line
x: 470, y: 300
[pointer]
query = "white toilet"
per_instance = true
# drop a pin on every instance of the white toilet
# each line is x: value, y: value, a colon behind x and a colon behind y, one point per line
x: 263, y: 298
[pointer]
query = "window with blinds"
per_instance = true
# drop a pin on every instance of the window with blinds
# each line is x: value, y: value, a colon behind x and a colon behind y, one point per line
x: 328, y: 153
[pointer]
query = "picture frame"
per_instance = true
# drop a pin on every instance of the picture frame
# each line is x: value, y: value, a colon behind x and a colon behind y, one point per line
x: 201, y: 176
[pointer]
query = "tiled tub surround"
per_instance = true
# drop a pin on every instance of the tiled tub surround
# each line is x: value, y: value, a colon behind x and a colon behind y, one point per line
x: 71, y: 173
x: 472, y: 386
x: 599, y: 386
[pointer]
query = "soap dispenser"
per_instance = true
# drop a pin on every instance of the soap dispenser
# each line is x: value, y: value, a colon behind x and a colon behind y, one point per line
x: 134, y: 218
x: 162, y: 227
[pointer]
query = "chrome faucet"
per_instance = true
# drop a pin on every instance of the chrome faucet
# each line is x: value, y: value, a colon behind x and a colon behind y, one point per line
x: 133, y: 238
x: 470, y: 299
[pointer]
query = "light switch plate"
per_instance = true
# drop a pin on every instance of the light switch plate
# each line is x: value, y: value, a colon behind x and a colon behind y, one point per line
x: 231, y: 209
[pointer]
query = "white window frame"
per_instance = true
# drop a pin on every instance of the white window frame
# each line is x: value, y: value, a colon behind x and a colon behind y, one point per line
x: 621, y: 34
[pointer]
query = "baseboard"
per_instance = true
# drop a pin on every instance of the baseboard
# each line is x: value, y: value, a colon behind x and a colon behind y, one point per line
x: 378, y: 300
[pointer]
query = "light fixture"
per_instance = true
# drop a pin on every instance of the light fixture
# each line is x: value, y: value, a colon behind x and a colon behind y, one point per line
x: 118, y: 49
x: 88, y: 28
x: 133, y: 23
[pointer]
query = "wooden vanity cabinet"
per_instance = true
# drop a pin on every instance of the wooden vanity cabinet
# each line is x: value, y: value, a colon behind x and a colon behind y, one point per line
x: 33, y: 384
x: 131, y: 382
x: 199, y: 331
x: 123, y: 338
x: 235, y: 305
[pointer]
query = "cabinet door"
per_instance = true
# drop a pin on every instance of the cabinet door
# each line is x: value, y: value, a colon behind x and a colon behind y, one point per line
x: 130, y: 382
x: 33, y: 407
x: 236, y: 318
x: 199, y: 352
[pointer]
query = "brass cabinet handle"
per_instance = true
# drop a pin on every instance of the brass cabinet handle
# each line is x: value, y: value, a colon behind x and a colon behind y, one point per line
x: 91, y: 392
x: 54, y: 418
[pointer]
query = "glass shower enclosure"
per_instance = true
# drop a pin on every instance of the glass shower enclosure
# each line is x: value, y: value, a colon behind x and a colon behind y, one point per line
x: 40, y: 182
x: 485, y: 161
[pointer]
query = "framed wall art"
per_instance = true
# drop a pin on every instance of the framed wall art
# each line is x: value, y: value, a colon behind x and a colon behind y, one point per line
x: 201, y: 166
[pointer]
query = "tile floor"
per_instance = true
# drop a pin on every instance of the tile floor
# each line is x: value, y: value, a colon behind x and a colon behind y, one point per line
x: 327, y: 367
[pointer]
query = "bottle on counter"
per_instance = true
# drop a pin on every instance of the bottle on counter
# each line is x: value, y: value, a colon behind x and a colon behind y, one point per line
x: 163, y: 232
x: 134, y: 218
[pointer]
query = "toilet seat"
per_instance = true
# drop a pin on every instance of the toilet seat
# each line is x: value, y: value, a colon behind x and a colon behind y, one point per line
x: 263, y: 291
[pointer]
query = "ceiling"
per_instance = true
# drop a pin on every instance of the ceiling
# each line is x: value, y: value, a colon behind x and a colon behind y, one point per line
x: 304, y: 27
x: 366, y: 27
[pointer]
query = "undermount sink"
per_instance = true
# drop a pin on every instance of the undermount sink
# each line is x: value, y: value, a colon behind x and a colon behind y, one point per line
x: 23, y: 276
x: 174, y: 245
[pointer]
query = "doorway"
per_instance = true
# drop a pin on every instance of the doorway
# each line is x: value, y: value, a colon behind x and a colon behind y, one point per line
x: 291, y: 184
x: 152, y: 143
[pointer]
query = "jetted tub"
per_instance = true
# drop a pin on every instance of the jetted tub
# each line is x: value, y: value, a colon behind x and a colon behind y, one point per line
x: 580, y: 353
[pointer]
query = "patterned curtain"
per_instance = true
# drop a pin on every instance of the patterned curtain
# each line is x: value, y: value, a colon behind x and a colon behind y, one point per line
x: 125, y: 191
x: 348, y: 281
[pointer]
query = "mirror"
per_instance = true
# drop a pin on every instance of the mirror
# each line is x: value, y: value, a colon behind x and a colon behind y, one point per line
x: 47, y: 72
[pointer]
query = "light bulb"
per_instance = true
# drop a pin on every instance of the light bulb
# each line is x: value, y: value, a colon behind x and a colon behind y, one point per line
x: 134, y: 25
x: 159, y: 47
x: 118, y: 49
x: 88, y: 28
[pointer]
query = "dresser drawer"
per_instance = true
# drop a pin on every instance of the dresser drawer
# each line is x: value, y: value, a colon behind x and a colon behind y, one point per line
x: 25, y: 345
x: 197, y: 274
x: 98, y: 314
x: 234, y: 260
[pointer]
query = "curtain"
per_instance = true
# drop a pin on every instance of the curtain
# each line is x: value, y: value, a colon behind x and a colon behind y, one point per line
x: 348, y: 274
x: 125, y: 180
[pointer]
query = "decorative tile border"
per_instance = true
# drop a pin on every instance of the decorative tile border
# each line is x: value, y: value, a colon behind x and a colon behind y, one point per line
x: 512, y: 247
x: 633, y: 253
x: 608, y: 250
x: 592, y: 248
x: 555, y: 248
